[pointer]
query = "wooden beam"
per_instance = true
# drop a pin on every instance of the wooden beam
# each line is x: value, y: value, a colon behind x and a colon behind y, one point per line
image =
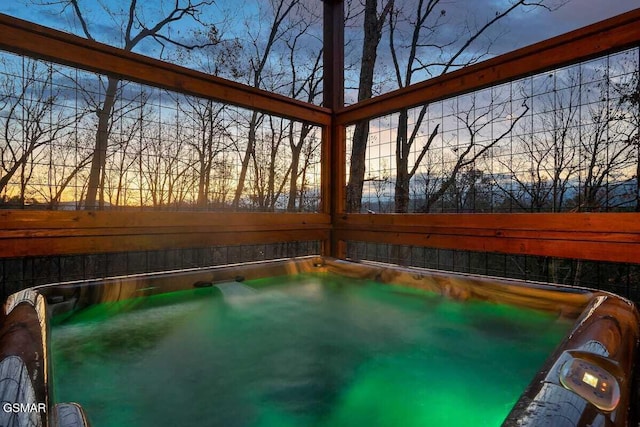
x: 334, y: 150
x: 613, y: 237
x: 49, y: 246
x: 333, y: 54
x: 325, y: 182
x: 43, y: 233
x: 33, y: 220
x: 569, y: 222
x: 609, y: 36
x: 26, y: 38
x: 338, y: 185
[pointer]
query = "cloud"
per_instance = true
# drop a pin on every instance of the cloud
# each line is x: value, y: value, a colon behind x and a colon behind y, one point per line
x: 528, y: 26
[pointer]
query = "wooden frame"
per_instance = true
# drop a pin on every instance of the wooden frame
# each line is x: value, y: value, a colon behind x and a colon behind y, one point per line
x: 43, y: 233
x: 333, y: 163
x: 38, y: 233
x: 592, y: 236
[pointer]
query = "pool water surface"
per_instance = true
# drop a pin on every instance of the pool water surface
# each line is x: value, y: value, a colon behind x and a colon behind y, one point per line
x: 307, y: 350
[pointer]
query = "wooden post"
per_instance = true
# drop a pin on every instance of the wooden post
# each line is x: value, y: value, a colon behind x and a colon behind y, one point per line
x: 333, y: 60
x: 334, y: 141
x: 338, y: 167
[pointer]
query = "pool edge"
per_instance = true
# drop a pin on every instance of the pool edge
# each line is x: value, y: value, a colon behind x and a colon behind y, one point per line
x: 606, y: 325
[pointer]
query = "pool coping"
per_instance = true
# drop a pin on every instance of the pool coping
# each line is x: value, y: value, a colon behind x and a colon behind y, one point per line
x: 605, y: 331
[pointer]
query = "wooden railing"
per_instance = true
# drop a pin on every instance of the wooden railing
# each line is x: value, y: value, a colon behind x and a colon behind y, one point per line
x: 590, y: 236
x: 606, y: 237
x: 42, y: 233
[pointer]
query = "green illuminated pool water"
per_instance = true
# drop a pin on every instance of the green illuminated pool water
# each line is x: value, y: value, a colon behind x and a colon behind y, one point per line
x: 321, y: 351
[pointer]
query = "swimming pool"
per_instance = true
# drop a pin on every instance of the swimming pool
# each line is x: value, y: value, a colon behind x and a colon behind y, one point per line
x: 331, y: 343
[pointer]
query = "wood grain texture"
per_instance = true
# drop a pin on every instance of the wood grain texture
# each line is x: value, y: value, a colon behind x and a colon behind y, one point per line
x: 338, y: 184
x: 43, y: 233
x: 613, y: 237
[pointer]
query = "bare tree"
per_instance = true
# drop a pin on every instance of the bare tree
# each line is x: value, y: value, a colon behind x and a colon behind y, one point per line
x: 283, y: 57
x: 128, y: 119
x: 163, y: 167
x: 627, y: 90
x: 605, y: 153
x: 426, y: 20
x: 380, y: 184
x: 372, y: 28
x: 31, y: 121
x: 262, y: 49
x: 474, y: 145
x: 427, y: 181
x: 66, y: 164
x: 468, y: 192
x: 270, y: 167
x: 135, y: 30
x: 298, y: 140
x: 308, y: 200
x: 542, y: 172
x: 222, y: 181
x: 207, y: 134
x: 305, y: 84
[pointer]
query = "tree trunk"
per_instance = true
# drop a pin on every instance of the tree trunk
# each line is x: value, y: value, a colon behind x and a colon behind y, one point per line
x: 372, y: 35
x: 271, y: 181
x: 293, y: 179
x: 202, y: 183
x: 99, y: 160
x: 357, y: 166
x: 6, y: 178
x: 246, y: 159
x: 55, y: 201
x: 402, y: 165
x: 296, y: 151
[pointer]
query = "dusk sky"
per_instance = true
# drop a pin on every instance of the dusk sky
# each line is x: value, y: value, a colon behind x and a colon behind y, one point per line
x: 529, y: 27
x: 522, y: 27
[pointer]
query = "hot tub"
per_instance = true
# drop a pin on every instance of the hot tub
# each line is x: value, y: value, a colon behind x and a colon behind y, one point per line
x: 315, y: 341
